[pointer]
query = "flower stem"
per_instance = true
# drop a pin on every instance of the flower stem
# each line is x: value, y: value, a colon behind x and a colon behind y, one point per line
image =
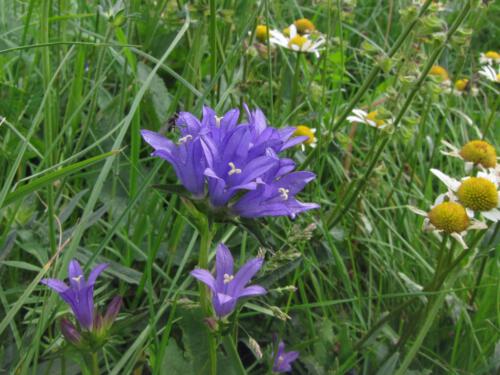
x: 205, y: 244
x: 295, y: 83
x: 95, y: 364
x: 483, y: 266
x: 233, y: 355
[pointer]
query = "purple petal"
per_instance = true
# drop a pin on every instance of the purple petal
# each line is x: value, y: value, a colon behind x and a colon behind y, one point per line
x: 96, y: 272
x: 230, y: 119
x: 188, y: 124
x: 244, y: 275
x: 224, y: 264
x: 251, y: 291
x: 57, y: 285
x: 223, y: 304
x: 296, y: 181
x: 157, y: 141
x: 81, y: 302
x: 281, y: 348
x: 205, y: 277
x: 75, y: 274
x: 291, y: 356
x: 294, y: 141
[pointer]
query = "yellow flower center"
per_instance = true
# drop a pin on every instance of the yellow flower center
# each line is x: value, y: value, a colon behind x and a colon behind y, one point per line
x: 479, y: 152
x: 439, y: 71
x: 373, y: 116
x: 478, y: 194
x: 492, y: 55
x: 297, y: 40
x: 304, y: 26
x: 461, y: 84
x: 449, y: 217
x: 261, y: 33
x: 302, y: 130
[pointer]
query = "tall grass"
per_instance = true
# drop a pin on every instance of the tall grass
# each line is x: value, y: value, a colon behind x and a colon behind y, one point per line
x: 78, y: 83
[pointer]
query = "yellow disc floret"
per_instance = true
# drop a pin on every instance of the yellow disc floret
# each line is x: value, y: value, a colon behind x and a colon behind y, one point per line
x: 449, y: 217
x: 302, y: 130
x: 439, y: 71
x: 297, y: 40
x: 373, y: 116
x: 304, y: 26
x: 478, y: 194
x: 461, y: 84
x: 492, y: 55
x: 479, y: 152
x: 261, y: 33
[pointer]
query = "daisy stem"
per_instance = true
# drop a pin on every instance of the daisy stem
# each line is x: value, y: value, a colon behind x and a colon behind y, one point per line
x: 295, y: 82
x: 483, y: 265
x: 205, y: 244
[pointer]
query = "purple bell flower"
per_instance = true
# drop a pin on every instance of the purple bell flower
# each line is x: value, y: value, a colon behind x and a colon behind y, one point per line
x: 283, y: 360
x: 79, y: 295
x: 227, y: 288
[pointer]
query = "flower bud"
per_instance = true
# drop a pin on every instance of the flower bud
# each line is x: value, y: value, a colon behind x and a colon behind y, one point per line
x: 112, y: 311
x: 70, y: 332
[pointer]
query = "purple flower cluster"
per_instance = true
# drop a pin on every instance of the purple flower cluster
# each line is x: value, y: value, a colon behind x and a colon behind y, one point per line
x: 222, y: 158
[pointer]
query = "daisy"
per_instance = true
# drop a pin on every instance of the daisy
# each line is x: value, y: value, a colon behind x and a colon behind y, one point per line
x: 297, y: 42
x: 368, y: 118
x: 305, y: 131
x: 490, y: 74
x: 489, y: 58
x: 476, y: 152
x: 463, y: 86
x: 450, y: 218
x: 477, y: 194
x: 304, y: 26
x: 440, y: 74
x: 261, y: 33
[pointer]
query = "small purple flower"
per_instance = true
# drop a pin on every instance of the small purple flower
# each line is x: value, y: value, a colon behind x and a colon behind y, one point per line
x: 283, y: 360
x: 226, y: 287
x: 79, y: 295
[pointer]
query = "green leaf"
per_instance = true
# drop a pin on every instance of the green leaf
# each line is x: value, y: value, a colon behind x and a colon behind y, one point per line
x: 36, y: 184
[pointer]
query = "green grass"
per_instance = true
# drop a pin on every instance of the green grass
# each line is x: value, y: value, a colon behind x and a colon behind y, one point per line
x: 78, y: 182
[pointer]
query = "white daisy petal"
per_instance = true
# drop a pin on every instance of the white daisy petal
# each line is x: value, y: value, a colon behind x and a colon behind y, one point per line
x: 447, y: 180
x: 460, y: 240
x: 493, y: 215
x: 418, y: 211
x: 478, y: 225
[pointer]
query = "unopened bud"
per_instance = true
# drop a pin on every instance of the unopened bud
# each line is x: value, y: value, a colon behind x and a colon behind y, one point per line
x: 70, y: 332
x: 112, y: 311
x: 212, y: 324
